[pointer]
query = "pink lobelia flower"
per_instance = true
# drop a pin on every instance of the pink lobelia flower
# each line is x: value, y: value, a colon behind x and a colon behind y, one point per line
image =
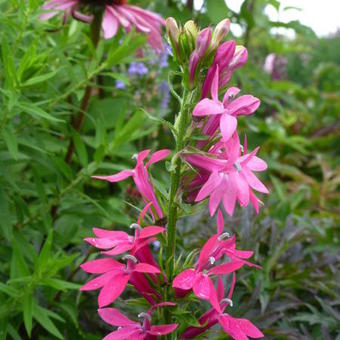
x: 114, y: 278
x: 141, y: 177
x: 129, y: 329
x: 231, y: 175
x: 228, y: 58
x: 225, y: 112
x: 198, y: 278
x: 238, y: 329
x: 116, y: 13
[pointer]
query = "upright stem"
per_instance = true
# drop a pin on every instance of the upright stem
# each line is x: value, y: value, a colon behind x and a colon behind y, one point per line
x: 174, y: 185
x: 77, y: 121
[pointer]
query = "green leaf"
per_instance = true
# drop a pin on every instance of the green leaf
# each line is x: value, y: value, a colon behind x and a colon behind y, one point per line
x: 36, y: 111
x: 39, y: 79
x: 8, y: 62
x: 8, y: 290
x: 27, y: 305
x: 80, y: 148
x: 41, y: 315
x: 19, y: 267
x: 59, y: 284
x: 11, y: 141
x: 45, y: 252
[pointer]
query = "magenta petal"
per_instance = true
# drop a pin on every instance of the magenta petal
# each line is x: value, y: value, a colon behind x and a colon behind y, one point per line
x: 220, y: 288
x: 220, y: 222
x: 254, y: 182
x: 204, y: 162
x: 114, y: 317
x: 231, y: 93
x: 117, y: 177
x: 113, y: 289
x: 214, y: 86
x: 126, y: 333
x: 162, y: 329
x: 244, y: 105
x: 98, y: 282
x: 243, y: 254
x: 216, y: 197
x: 202, y: 286
x: 158, y: 156
x: 249, y: 329
x: 113, y: 234
x: 101, y: 266
x: 211, y: 184
x: 141, y: 156
x: 206, y: 249
x: 242, y: 188
x: 184, y: 280
x: 119, y: 249
x: 228, y: 126
x: 150, y: 231
x: 101, y: 243
x: 146, y: 268
x: 229, y: 199
x: 226, y: 268
x: 208, y: 107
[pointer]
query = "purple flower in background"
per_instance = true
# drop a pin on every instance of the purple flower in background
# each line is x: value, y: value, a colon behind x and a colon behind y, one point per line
x: 138, y: 69
x: 163, y: 57
x: 120, y: 85
x: 164, y: 93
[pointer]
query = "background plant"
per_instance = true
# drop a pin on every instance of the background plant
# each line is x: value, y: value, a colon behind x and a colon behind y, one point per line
x: 297, y: 235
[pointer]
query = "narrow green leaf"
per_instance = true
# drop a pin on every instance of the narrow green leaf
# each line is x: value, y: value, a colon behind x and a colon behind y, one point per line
x: 8, y: 62
x: 39, y: 79
x: 45, y: 252
x: 80, y: 148
x: 59, y: 284
x: 36, y: 111
x: 27, y: 305
x: 40, y: 314
x: 19, y: 266
x: 8, y: 290
x: 11, y: 141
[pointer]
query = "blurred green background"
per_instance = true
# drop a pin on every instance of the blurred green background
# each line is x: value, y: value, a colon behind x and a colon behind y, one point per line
x: 47, y: 205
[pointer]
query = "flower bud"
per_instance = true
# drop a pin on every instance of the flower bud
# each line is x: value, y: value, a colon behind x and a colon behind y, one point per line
x: 172, y: 30
x: 190, y: 30
x: 225, y: 54
x: 203, y: 41
x: 221, y: 30
x: 193, y: 61
x: 240, y: 57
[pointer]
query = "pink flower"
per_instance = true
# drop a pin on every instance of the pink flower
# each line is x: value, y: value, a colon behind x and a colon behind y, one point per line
x: 198, y: 278
x: 238, y: 329
x: 129, y: 329
x: 225, y: 112
x: 141, y: 177
x: 228, y: 58
x: 116, y: 13
x: 114, y: 278
x: 231, y: 175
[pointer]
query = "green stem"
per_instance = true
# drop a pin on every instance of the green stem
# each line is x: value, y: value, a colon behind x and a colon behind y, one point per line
x: 182, y: 122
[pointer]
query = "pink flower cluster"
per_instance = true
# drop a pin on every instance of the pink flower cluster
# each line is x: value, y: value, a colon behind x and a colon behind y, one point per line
x: 117, y: 13
x: 224, y: 172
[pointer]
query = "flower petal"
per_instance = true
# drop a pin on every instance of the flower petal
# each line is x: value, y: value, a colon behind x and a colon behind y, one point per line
x: 101, y: 266
x: 226, y: 268
x: 162, y: 329
x: 205, y: 162
x: 146, y: 268
x: 208, y: 107
x: 184, y: 280
x: 211, y: 184
x: 126, y: 333
x: 253, y: 181
x: 228, y: 125
x: 220, y: 222
x: 158, y: 156
x: 113, y: 289
x: 150, y: 231
x: 117, y: 177
x: 114, y: 317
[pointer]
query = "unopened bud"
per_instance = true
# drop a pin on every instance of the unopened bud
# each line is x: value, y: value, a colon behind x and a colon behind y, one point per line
x: 172, y: 30
x: 240, y: 57
x: 221, y: 30
x: 193, y: 61
x: 190, y: 30
x: 203, y: 41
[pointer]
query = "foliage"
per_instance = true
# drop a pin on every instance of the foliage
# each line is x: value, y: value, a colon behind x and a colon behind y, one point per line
x: 47, y: 205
